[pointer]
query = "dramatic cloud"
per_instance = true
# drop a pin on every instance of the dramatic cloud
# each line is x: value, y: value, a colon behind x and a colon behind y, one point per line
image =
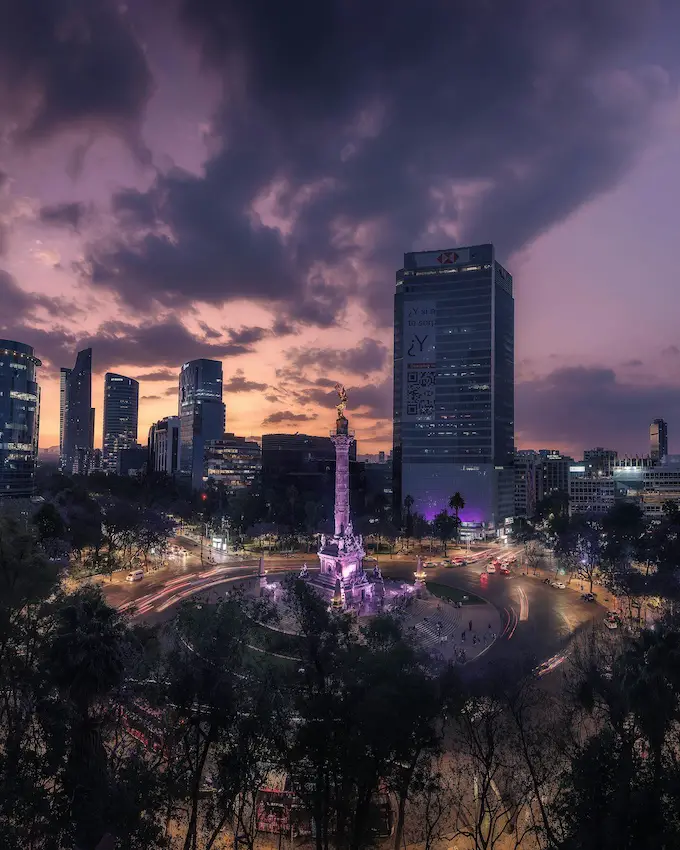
x: 352, y: 134
x: 582, y: 407
x: 239, y: 384
x: 287, y: 416
x: 366, y: 356
x: 18, y: 304
x: 63, y: 215
x: 159, y: 375
x: 70, y: 63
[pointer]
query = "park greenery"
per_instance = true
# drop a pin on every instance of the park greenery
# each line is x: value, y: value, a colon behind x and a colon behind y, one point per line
x: 118, y: 734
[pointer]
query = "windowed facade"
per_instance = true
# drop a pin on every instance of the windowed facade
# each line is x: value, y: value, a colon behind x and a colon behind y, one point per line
x: 20, y: 411
x: 454, y: 384
x: 201, y: 413
x: 78, y: 442
x: 121, y: 413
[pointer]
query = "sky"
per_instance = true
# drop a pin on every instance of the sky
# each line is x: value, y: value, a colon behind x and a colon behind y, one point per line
x: 239, y: 179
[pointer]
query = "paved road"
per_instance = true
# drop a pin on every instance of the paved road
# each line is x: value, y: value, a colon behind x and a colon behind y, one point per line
x: 537, y: 621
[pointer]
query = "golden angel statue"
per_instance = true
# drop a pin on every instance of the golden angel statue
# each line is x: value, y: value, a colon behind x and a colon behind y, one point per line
x: 342, y: 395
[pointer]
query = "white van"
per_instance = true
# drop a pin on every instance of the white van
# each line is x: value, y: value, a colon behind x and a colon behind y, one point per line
x: 136, y: 575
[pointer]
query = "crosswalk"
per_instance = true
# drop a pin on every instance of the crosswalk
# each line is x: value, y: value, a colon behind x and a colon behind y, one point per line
x: 424, y: 619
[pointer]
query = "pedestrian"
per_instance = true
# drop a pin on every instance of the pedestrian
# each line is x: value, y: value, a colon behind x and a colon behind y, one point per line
x: 462, y: 636
x: 493, y: 635
x: 470, y: 625
x: 489, y: 626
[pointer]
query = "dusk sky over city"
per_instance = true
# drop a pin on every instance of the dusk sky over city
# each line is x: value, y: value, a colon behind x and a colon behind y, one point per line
x: 239, y: 180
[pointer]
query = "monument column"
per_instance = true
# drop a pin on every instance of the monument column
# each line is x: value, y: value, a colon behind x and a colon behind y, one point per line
x: 342, y: 441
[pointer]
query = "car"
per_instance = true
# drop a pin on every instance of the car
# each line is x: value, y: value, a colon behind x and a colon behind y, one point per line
x: 491, y: 568
x: 588, y: 597
x: 497, y: 563
x: 430, y: 565
x: 547, y: 581
x: 610, y: 623
x: 559, y: 585
x: 505, y: 570
x: 459, y: 562
x: 135, y: 575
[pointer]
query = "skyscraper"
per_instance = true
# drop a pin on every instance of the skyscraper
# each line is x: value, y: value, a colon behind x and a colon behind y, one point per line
x: 163, y: 445
x: 201, y: 412
x: 658, y: 439
x: 454, y: 384
x: 20, y: 416
x: 121, y: 413
x: 63, y: 382
x: 78, y: 417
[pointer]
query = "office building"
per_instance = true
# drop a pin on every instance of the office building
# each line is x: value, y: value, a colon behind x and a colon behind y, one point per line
x: 454, y: 385
x: 20, y: 411
x: 132, y: 461
x: 660, y: 483
x: 599, y: 461
x: 658, y: 439
x: 64, y: 372
x: 234, y: 462
x: 164, y: 446
x: 552, y: 474
x: 525, y: 471
x: 589, y: 492
x: 78, y: 441
x: 121, y: 413
x: 202, y: 415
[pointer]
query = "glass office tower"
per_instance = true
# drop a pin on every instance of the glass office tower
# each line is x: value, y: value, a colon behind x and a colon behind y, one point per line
x: 201, y: 413
x: 20, y: 411
x: 658, y: 439
x: 78, y: 443
x: 64, y: 372
x: 121, y: 413
x: 454, y: 385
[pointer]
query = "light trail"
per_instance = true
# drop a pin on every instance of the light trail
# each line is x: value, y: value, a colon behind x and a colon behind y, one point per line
x: 515, y: 622
x: 523, y: 604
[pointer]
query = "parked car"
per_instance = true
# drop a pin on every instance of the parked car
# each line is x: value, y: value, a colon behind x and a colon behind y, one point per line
x: 559, y: 585
x: 588, y: 597
x: 135, y: 575
x: 547, y: 581
x: 430, y: 565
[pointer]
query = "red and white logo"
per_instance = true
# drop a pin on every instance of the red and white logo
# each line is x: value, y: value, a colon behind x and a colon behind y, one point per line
x: 447, y: 258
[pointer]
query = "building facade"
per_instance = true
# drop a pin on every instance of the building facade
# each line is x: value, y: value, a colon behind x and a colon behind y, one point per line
x: 64, y: 372
x: 20, y: 406
x: 526, y: 468
x: 164, y: 446
x: 202, y: 415
x: 454, y: 385
x: 552, y: 474
x: 658, y: 439
x: 233, y: 462
x: 121, y: 414
x: 599, y: 461
x: 589, y: 493
x: 78, y: 442
x: 132, y: 461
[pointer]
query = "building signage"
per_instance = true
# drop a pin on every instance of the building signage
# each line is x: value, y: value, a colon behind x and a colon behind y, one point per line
x: 441, y: 259
x: 419, y: 360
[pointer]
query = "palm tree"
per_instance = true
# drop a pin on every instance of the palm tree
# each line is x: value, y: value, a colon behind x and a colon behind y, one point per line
x: 457, y: 503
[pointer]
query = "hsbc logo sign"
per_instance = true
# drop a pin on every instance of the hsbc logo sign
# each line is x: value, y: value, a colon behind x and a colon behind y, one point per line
x: 447, y: 258
x: 437, y: 259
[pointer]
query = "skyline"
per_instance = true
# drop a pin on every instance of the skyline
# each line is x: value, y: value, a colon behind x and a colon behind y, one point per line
x: 273, y: 248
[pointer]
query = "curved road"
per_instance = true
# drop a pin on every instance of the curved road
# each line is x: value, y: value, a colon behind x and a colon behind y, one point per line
x: 537, y: 621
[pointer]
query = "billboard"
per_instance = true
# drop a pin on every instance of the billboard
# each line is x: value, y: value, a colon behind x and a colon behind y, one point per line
x: 419, y: 359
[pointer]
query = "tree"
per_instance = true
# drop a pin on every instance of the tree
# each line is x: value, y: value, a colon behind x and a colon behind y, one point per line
x: 532, y: 555
x: 457, y: 503
x: 51, y: 529
x: 444, y: 526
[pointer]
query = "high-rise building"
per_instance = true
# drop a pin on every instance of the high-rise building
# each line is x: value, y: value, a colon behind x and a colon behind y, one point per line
x: 20, y: 412
x: 64, y: 372
x: 164, y: 446
x: 658, y: 439
x: 233, y: 462
x: 121, y: 413
x: 78, y: 440
x: 526, y: 468
x: 202, y: 414
x: 454, y: 385
x: 552, y: 475
x: 599, y: 461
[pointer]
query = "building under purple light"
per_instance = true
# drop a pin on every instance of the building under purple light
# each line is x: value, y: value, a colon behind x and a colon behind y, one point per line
x: 454, y: 385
